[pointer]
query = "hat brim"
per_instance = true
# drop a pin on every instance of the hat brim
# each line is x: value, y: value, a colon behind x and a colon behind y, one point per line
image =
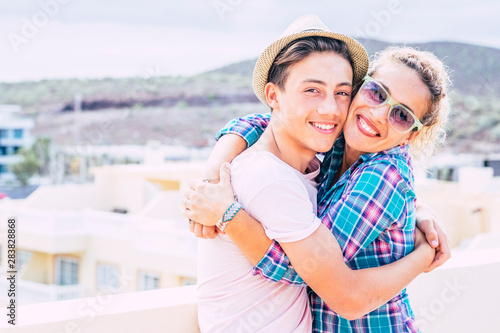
x: 357, y: 52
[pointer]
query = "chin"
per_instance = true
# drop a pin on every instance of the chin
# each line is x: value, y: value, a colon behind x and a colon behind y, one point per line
x: 349, y: 136
x: 323, y: 148
x: 355, y: 143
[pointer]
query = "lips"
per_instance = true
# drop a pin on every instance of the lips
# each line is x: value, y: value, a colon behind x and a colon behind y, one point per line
x: 366, y: 127
x: 325, y: 128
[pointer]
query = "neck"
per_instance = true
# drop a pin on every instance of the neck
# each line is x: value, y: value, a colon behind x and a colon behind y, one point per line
x: 350, y: 157
x: 277, y: 142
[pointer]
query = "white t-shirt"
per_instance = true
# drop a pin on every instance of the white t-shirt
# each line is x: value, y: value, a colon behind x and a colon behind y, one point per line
x: 231, y: 299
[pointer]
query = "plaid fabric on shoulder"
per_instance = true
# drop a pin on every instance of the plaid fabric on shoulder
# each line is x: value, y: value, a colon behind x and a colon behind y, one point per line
x: 249, y: 127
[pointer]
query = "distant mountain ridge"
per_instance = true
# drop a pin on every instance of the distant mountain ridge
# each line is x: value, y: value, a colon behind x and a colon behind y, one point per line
x: 474, y: 69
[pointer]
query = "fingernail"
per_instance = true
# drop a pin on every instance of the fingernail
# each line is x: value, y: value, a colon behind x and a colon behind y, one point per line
x: 434, y: 243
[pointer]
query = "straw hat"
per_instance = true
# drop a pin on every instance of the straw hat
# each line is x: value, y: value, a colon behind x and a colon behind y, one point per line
x: 307, y: 25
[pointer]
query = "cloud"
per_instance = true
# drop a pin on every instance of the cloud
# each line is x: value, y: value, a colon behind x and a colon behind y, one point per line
x: 122, y: 38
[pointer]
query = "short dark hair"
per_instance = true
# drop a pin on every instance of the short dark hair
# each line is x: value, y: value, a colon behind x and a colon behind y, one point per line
x: 300, y: 49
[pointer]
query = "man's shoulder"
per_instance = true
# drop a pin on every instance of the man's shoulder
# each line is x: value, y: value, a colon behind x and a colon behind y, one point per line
x: 264, y: 166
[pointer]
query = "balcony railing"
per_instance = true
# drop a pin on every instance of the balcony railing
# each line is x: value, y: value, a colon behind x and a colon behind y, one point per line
x: 90, y: 222
x: 461, y: 296
x: 48, y: 223
x: 166, y: 310
x: 30, y: 292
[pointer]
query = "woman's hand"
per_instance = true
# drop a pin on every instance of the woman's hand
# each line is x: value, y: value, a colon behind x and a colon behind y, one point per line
x: 429, y: 223
x: 205, y: 203
x: 422, y: 245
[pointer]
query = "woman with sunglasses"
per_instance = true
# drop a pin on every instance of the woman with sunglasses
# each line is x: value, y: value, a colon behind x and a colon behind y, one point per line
x: 367, y: 191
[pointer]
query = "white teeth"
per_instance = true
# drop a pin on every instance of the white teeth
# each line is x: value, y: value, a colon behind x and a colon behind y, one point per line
x: 323, y: 126
x: 366, y: 127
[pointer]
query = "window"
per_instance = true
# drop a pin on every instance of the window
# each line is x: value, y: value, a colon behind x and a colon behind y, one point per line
x: 3, y: 150
x: 22, y: 258
x: 66, y: 271
x: 18, y: 133
x: 3, y: 168
x: 107, y: 277
x: 3, y: 133
x: 187, y: 281
x: 148, y: 281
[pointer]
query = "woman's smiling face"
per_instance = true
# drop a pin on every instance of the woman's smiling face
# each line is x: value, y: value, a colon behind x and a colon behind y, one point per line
x: 367, y: 129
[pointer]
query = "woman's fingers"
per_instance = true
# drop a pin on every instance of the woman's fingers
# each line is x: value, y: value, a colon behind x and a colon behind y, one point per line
x: 427, y: 226
x: 443, y: 252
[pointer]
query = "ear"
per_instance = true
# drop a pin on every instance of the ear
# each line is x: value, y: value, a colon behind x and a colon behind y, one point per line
x: 410, y: 138
x: 272, y: 98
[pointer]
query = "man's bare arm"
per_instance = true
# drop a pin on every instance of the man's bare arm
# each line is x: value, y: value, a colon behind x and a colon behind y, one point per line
x: 353, y: 293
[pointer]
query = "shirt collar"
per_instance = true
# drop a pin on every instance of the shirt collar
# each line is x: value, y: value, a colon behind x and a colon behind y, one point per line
x: 398, y: 150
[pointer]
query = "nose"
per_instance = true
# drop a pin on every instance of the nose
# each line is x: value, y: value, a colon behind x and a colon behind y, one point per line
x: 379, y: 114
x: 329, y: 107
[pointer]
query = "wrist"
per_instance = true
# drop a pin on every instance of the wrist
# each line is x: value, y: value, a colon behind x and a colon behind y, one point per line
x: 209, y: 175
x: 223, y: 205
x: 426, y: 254
x: 228, y: 215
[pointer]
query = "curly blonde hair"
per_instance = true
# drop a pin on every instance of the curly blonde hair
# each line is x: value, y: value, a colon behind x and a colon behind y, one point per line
x: 434, y: 74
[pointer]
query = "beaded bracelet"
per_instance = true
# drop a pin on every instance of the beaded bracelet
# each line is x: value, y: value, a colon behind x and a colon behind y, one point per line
x: 228, y: 215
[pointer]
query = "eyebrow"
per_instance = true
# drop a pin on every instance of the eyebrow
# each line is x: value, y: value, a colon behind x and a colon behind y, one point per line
x: 389, y: 91
x: 324, y: 84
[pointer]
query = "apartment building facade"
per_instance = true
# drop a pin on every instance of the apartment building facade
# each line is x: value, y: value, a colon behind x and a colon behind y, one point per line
x: 123, y: 233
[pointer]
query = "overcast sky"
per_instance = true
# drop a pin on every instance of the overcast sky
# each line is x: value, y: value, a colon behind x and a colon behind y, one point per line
x: 93, y: 39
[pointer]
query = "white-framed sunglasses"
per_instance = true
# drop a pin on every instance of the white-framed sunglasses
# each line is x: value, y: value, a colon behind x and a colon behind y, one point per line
x: 400, y: 117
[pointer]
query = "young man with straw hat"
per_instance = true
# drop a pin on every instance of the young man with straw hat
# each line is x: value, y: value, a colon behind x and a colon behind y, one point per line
x: 306, y: 77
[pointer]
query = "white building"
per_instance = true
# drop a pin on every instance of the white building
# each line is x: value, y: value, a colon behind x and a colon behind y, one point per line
x: 14, y: 134
x: 73, y: 243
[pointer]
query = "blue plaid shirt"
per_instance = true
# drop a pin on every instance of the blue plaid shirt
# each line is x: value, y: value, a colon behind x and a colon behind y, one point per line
x: 370, y: 211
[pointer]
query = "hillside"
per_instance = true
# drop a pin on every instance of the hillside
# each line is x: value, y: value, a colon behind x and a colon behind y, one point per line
x: 475, y: 69
x: 188, y: 110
